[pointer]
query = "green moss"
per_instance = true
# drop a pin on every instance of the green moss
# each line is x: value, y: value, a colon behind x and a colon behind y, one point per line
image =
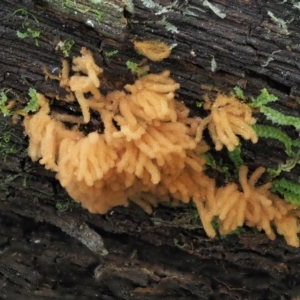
x: 27, y: 31
x: 111, y: 53
x: 236, y: 158
x: 4, y: 103
x: 263, y: 99
x: 291, y: 162
x: 6, y: 146
x: 239, y: 93
x: 135, y: 68
x: 67, y: 46
x: 289, y: 190
x: 218, y: 166
x: 274, y: 133
x: 6, y: 110
x: 277, y: 117
x: 33, y: 104
x: 31, y: 33
x: 66, y: 205
x: 199, y: 104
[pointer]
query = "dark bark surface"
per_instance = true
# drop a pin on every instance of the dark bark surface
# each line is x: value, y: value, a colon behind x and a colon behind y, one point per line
x: 50, y: 248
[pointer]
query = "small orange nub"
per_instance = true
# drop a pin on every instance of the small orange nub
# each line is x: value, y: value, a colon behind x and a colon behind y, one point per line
x: 153, y: 49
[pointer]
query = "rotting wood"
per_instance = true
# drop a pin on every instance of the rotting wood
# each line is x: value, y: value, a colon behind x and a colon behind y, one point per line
x: 150, y: 257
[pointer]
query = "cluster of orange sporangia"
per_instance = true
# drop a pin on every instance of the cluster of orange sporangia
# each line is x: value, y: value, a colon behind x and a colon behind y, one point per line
x: 150, y: 151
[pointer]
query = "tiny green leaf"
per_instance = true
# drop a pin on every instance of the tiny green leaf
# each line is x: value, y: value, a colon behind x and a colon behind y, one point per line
x: 33, y: 33
x: 112, y: 53
x: 235, y: 156
x: 289, y: 190
x: 263, y: 98
x: 279, y: 118
x: 22, y: 35
x: 3, y: 104
x: 239, y: 93
x: 274, y: 133
x: 134, y: 68
x: 67, y: 46
x: 33, y: 104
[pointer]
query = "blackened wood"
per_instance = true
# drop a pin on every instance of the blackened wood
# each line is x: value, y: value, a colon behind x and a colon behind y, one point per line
x: 47, y: 252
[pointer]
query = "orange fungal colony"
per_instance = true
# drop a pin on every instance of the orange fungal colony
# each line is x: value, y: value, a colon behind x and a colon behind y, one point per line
x: 150, y: 151
x: 229, y: 118
x: 153, y: 49
x: 253, y: 206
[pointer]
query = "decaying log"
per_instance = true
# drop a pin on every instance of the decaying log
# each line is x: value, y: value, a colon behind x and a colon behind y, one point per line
x: 50, y: 248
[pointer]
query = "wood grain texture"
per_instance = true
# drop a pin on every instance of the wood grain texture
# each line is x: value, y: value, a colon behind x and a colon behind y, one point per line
x: 44, y: 253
